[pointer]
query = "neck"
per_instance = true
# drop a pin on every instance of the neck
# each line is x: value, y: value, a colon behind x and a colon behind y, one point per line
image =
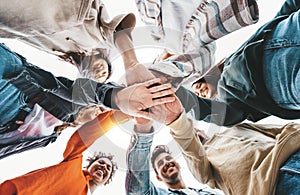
x: 177, y: 185
x: 92, y: 186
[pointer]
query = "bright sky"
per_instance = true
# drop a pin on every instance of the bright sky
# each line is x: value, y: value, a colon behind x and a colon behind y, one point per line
x: 117, y: 140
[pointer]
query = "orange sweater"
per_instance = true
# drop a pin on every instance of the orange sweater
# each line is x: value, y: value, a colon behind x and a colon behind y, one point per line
x: 66, y: 177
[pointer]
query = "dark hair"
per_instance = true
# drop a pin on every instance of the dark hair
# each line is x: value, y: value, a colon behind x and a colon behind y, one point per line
x: 159, y: 149
x: 83, y: 62
x: 212, y: 75
x: 98, y: 155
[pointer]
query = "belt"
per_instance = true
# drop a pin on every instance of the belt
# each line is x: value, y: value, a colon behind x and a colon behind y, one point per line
x: 12, y: 124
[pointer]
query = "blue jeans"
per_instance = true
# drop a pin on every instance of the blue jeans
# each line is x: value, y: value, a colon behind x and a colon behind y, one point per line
x: 12, y: 100
x: 282, y: 63
x: 289, y: 176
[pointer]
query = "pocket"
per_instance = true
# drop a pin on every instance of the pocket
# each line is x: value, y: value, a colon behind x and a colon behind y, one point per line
x: 278, y: 43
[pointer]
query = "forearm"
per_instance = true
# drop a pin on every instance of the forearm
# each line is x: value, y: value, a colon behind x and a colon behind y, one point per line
x: 88, y: 133
x: 212, y: 111
x: 87, y: 91
x: 138, y: 174
x: 123, y: 43
x: 182, y: 130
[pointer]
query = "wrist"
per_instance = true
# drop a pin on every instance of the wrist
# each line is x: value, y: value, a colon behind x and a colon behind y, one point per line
x: 173, y: 118
x: 145, y: 127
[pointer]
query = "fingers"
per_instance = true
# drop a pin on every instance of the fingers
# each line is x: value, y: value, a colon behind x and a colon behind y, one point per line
x: 152, y: 82
x: 162, y: 87
x: 163, y: 100
x: 162, y: 94
x: 144, y: 114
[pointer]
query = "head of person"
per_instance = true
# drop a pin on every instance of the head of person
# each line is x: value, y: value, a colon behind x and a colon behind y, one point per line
x: 166, y: 168
x: 206, y: 86
x: 96, y: 66
x: 101, y: 167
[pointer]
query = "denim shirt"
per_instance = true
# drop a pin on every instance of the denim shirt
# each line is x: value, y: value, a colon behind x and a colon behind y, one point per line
x: 241, y: 90
x: 138, y: 174
x: 12, y: 99
x: 21, y: 82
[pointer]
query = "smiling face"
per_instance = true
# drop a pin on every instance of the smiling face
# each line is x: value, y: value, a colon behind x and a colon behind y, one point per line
x: 203, y: 89
x: 168, y: 170
x: 100, y: 170
x: 100, y: 70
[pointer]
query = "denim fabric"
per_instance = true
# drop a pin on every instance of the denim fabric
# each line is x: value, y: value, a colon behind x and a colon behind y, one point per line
x: 289, y: 176
x: 138, y: 175
x: 12, y: 100
x: 282, y: 63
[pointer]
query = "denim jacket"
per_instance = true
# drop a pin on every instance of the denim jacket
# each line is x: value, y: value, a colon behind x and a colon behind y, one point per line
x: 241, y: 92
x: 138, y: 174
x: 61, y: 97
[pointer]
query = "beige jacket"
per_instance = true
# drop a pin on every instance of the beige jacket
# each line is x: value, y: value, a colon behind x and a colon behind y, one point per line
x: 241, y: 160
x: 59, y: 27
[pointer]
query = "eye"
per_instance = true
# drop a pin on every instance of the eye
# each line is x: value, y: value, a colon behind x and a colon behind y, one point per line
x: 159, y: 163
x: 108, y: 167
x: 101, y: 162
x: 168, y: 158
x: 103, y: 73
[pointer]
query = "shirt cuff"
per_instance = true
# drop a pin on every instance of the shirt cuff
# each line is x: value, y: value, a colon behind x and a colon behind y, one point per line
x: 181, y: 126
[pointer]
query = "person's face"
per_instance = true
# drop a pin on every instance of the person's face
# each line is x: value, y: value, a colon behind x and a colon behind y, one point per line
x: 167, y: 168
x: 203, y: 89
x: 100, y: 170
x: 100, y: 71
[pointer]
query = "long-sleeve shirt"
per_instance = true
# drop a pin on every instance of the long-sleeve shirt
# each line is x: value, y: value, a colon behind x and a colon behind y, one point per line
x: 67, y: 177
x: 244, y: 159
x: 138, y: 175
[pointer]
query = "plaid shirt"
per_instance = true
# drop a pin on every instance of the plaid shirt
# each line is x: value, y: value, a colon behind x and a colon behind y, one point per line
x: 210, y: 21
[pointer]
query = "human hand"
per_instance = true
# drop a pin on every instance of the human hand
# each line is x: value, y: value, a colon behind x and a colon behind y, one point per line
x: 137, y: 74
x: 135, y: 99
x: 166, y: 113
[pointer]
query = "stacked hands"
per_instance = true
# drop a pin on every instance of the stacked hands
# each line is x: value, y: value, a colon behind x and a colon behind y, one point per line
x: 147, y: 99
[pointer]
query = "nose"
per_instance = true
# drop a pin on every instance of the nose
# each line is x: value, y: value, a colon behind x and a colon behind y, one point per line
x: 202, y: 93
x: 103, y: 165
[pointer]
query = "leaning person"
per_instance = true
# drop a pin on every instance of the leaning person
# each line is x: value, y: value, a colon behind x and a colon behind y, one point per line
x: 244, y: 159
x: 32, y: 96
x: 67, y: 177
x: 260, y: 79
x: 79, y: 32
x: 167, y: 169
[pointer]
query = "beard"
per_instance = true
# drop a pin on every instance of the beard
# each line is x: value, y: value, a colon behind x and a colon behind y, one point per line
x: 173, y: 178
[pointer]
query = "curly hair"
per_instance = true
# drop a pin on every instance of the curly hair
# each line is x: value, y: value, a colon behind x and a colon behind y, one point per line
x: 159, y: 149
x: 90, y: 160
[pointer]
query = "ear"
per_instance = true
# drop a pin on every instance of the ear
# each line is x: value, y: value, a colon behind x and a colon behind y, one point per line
x: 158, y: 178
